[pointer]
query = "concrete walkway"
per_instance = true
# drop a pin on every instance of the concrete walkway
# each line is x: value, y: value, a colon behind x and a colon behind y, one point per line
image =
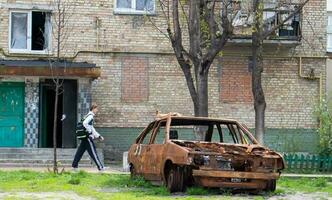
x: 113, y: 169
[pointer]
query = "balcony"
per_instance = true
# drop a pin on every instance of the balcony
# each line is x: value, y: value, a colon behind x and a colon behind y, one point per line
x: 288, y: 35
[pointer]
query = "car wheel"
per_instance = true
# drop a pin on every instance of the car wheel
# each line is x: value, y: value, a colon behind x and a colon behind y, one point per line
x: 174, y: 181
x: 271, y: 185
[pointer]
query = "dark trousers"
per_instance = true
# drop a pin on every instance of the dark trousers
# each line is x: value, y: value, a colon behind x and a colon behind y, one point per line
x: 89, y: 145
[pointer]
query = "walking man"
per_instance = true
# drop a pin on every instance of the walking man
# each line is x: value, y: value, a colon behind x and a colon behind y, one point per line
x: 87, y: 142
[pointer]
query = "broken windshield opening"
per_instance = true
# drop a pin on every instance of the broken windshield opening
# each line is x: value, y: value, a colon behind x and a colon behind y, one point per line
x: 214, y: 131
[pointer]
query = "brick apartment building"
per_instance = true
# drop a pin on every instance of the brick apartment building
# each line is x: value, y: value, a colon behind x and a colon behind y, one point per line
x: 121, y: 61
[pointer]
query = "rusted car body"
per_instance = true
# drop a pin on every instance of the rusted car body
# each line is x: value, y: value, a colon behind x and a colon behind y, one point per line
x: 229, y: 157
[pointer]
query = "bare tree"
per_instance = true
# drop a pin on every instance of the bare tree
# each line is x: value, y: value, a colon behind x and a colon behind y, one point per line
x: 198, y: 31
x: 63, y: 10
x: 209, y: 25
x: 259, y: 34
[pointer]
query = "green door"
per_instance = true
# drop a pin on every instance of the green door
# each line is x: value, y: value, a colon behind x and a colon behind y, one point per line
x: 11, y: 114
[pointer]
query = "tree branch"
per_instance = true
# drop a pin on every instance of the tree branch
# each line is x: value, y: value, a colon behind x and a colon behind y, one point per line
x: 194, y: 31
x: 184, y: 13
x: 180, y: 52
x: 220, y: 39
x: 209, y: 18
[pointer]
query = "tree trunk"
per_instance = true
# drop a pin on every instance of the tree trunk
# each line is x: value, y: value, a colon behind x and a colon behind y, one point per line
x: 202, y: 93
x: 257, y: 56
x: 202, y: 109
x: 258, y: 93
x: 257, y: 90
x: 55, y: 162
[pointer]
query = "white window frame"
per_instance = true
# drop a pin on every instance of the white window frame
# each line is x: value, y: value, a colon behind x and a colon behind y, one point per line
x: 132, y: 10
x: 28, y: 50
x: 329, y: 32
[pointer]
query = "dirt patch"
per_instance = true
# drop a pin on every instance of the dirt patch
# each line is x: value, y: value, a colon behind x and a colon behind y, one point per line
x: 302, y: 196
x: 43, y: 195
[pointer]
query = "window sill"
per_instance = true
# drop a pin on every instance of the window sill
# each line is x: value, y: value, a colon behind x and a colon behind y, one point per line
x: 133, y: 12
x: 20, y: 52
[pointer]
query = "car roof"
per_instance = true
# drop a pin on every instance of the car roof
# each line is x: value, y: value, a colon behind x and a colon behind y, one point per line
x: 191, y: 118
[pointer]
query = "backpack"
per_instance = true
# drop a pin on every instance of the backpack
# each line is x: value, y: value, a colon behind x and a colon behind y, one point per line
x: 81, y: 132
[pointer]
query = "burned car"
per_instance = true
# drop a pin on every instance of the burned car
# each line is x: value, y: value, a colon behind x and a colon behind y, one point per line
x: 168, y: 152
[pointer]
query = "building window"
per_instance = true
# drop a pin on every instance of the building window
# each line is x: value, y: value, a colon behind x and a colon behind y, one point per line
x: 134, y: 6
x: 29, y: 32
x: 329, y: 32
x: 235, y: 81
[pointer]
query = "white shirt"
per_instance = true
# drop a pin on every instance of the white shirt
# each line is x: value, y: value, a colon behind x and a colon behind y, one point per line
x: 89, y: 128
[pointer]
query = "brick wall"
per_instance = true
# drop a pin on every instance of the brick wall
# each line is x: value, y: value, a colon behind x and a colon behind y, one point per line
x: 116, y: 32
x: 291, y: 100
x: 128, y: 33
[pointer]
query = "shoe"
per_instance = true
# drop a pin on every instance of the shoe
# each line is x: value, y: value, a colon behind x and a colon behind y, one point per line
x: 103, y: 169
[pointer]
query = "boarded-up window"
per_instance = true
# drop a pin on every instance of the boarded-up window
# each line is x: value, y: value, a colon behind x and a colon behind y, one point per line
x: 235, y: 81
x: 134, y: 82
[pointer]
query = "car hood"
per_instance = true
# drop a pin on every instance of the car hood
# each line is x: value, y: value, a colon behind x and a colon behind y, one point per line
x: 213, y: 148
x: 242, y: 157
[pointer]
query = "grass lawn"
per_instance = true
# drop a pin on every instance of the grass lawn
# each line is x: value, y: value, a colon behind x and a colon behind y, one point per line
x: 113, y: 186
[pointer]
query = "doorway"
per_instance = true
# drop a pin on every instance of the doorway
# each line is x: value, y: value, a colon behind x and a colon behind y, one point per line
x: 66, y: 114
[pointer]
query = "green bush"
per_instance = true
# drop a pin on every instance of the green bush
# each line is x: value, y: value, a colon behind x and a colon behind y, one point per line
x: 325, y: 129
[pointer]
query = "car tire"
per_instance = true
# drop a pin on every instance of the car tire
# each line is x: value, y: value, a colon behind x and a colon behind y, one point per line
x: 174, y: 182
x: 271, y: 185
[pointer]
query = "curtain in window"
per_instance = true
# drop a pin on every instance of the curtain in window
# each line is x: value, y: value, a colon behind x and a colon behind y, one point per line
x: 47, y: 30
x: 123, y: 3
x: 19, y: 31
x: 146, y: 5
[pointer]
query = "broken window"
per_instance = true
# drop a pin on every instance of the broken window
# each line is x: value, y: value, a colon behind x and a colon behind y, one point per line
x: 30, y: 31
x: 135, y: 6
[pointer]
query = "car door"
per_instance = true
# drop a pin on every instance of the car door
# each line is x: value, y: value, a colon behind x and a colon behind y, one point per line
x: 155, y: 152
x: 142, y: 161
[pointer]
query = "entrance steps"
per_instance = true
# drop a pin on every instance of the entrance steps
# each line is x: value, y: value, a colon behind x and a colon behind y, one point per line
x: 43, y: 157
